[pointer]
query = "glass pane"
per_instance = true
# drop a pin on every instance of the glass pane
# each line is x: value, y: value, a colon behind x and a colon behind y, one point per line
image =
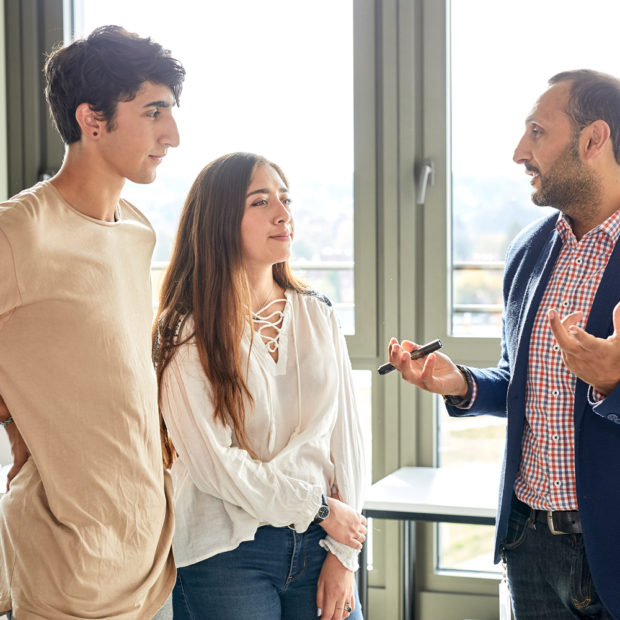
x: 502, y: 54
x: 466, y: 548
x: 270, y: 77
x: 465, y: 442
x: 475, y: 440
x: 336, y: 281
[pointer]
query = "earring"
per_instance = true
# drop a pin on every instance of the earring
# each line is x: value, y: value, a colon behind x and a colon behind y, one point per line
x: 95, y: 133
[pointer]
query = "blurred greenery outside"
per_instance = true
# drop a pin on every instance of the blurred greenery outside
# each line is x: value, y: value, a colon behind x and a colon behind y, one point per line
x: 487, y: 214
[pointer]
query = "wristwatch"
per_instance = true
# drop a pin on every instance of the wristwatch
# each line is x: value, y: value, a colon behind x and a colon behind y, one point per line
x: 462, y: 402
x: 323, y: 511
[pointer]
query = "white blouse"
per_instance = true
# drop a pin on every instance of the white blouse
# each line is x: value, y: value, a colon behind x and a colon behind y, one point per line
x: 303, y: 426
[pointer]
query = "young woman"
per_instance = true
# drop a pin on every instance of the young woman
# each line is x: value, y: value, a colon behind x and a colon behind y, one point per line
x: 256, y: 391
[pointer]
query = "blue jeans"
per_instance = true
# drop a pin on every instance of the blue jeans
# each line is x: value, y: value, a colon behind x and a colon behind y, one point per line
x: 273, y: 577
x: 548, y: 574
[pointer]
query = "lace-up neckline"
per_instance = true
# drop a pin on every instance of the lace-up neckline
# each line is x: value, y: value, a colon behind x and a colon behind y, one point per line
x: 268, y: 317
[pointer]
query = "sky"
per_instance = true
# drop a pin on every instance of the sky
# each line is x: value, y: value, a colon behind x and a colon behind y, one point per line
x: 260, y: 77
x: 503, y: 53
x: 275, y: 76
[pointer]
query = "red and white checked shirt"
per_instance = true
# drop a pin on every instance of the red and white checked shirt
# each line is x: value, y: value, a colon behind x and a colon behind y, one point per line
x: 546, y: 480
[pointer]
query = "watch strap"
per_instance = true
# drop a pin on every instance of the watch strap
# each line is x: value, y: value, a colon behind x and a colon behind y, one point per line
x: 462, y: 402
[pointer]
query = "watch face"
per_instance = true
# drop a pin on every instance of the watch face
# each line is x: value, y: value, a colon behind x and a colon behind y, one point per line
x: 323, y: 512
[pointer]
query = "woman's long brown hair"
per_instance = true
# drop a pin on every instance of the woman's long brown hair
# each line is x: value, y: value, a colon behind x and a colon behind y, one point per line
x: 206, y: 279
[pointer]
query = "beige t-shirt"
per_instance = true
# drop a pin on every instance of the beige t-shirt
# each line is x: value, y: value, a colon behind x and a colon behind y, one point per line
x: 86, y: 528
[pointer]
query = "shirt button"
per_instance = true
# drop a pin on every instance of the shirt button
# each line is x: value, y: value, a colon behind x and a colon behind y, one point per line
x: 556, y: 347
x: 555, y: 437
x: 555, y: 392
x: 558, y: 483
x: 565, y: 304
x: 579, y: 261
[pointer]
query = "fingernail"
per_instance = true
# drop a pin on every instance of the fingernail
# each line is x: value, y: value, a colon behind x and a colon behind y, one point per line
x: 318, y: 612
x: 572, y: 329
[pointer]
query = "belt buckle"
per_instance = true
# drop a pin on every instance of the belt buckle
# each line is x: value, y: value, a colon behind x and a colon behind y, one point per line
x: 551, y: 525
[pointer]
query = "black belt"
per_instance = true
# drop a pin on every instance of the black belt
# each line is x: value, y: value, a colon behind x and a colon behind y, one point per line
x: 560, y: 521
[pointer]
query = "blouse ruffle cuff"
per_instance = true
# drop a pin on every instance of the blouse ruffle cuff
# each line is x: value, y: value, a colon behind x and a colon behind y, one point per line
x: 345, y: 554
x: 313, y: 500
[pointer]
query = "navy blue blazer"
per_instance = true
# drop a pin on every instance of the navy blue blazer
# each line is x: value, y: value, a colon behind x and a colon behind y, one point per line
x: 501, y: 392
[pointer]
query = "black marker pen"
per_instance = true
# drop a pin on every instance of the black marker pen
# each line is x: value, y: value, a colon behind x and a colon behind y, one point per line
x: 417, y: 354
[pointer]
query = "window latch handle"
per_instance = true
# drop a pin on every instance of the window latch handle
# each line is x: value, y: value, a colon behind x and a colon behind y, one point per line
x: 426, y: 177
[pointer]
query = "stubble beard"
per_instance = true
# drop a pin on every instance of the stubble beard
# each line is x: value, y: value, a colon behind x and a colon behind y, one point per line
x: 569, y: 186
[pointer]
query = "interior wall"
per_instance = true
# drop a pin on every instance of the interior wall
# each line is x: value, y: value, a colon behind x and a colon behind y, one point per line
x: 5, y: 452
x: 33, y: 28
x: 3, y: 120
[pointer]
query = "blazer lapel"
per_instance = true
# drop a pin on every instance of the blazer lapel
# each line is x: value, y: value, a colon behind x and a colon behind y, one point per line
x: 600, y: 322
x: 533, y: 294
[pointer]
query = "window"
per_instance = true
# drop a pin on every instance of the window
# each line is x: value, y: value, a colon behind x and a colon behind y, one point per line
x: 465, y: 442
x: 276, y: 78
x: 384, y: 85
x: 273, y: 78
x: 499, y: 66
x: 489, y: 64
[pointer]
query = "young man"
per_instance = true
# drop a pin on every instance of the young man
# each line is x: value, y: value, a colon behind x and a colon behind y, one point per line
x: 558, y: 379
x: 86, y: 525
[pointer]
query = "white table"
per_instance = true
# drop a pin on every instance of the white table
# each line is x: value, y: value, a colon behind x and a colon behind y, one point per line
x: 451, y: 495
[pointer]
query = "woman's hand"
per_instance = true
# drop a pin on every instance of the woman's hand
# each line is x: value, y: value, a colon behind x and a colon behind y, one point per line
x: 335, y: 590
x: 344, y: 524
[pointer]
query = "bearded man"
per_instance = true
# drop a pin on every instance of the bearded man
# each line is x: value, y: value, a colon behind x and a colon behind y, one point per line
x: 558, y: 376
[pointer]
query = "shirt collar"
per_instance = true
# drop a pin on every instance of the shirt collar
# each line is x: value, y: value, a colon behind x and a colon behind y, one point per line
x: 610, y: 229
